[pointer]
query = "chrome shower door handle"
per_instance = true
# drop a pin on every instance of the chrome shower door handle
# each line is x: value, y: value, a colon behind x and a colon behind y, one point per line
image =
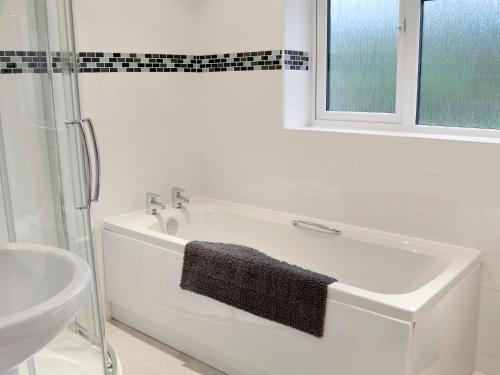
x: 97, y: 160
x: 86, y: 162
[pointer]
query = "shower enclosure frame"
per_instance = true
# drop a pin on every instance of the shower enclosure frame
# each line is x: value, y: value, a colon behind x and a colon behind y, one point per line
x: 5, y: 192
x: 72, y: 167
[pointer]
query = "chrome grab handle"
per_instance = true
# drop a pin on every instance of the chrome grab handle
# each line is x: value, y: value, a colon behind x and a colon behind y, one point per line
x: 316, y: 227
x: 88, y: 170
x: 97, y: 156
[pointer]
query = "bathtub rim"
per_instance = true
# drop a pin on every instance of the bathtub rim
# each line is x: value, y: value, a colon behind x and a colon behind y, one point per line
x: 408, y: 307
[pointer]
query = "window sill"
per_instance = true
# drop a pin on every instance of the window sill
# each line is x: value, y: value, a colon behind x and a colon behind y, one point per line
x: 396, y: 130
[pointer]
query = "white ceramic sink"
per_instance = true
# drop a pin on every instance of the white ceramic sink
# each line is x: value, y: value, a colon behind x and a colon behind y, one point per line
x: 41, y: 289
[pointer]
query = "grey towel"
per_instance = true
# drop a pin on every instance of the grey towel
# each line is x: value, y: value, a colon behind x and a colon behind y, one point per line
x: 249, y: 280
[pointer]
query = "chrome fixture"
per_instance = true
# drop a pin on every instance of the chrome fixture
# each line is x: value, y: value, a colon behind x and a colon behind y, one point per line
x: 152, y: 204
x: 316, y: 227
x: 93, y: 182
x: 178, y: 200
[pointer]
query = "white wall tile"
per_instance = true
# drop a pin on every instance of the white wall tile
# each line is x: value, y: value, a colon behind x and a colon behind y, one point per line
x: 490, y: 235
x: 431, y: 224
x: 490, y: 275
x: 492, y: 200
x: 465, y: 195
x: 466, y: 159
x: 129, y: 26
x: 144, y: 37
x: 17, y: 32
x: 255, y: 109
x: 115, y: 87
x: 431, y: 157
x: 363, y: 150
x: 463, y: 230
x: 489, y: 308
x: 488, y: 339
x: 98, y: 10
x: 452, y: 194
x: 487, y: 365
x: 216, y: 13
x: 299, y: 20
x: 17, y: 8
x: 239, y: 37
x: 298, y: 90
x: 490, y: 161
x: 142, y: 133
x: 360, y: 210
x: 387, y: 147
x: 105, y: 36
x: 395, y: 218
x: 235, y: 26
x: 89, y: 85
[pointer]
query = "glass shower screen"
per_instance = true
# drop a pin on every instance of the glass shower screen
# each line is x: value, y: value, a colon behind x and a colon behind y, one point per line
x: 44, y: 174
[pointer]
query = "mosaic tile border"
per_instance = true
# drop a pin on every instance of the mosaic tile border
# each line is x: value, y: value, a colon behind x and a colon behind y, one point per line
x: 23, y: 62
x: 241, y: 61
x: 16, y: 62
x: 106, y: 62
x: 296, y: 60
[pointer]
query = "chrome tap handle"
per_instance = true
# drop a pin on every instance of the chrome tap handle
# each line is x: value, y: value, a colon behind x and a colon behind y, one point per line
x: 151, y: 197
x: 177, y: 191
x: 177, y: 198
x: 152, y: 203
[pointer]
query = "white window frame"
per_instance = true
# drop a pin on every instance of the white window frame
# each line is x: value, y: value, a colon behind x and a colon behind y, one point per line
x: 403, y: 121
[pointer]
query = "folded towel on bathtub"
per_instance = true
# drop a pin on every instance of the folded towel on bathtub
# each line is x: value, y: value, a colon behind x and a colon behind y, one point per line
x: 252, y: 281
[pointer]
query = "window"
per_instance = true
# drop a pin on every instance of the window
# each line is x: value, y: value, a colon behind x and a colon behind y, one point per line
x: 460, y: 64
x: 362, y: 56
x: 414, y: 63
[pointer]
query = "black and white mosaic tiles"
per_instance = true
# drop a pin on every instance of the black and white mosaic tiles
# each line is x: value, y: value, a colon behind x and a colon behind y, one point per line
x: 241, y: 61
x: 15, y: 62
x: 23, y: 62
x: 106, y: 62
x: 296, y: 60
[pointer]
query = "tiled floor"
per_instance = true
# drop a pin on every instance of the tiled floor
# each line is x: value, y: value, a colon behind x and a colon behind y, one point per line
x: 142, y: 355
x: 69, y: 354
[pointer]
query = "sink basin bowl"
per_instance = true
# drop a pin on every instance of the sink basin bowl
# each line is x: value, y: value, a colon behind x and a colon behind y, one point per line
x: 41, y: 289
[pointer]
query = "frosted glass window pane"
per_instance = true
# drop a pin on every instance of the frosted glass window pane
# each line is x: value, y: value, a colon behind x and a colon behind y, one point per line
x: 362, y: 55
x: 460, y: 67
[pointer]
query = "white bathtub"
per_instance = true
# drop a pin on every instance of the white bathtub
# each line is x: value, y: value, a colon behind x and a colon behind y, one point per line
x: 402, y: 306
